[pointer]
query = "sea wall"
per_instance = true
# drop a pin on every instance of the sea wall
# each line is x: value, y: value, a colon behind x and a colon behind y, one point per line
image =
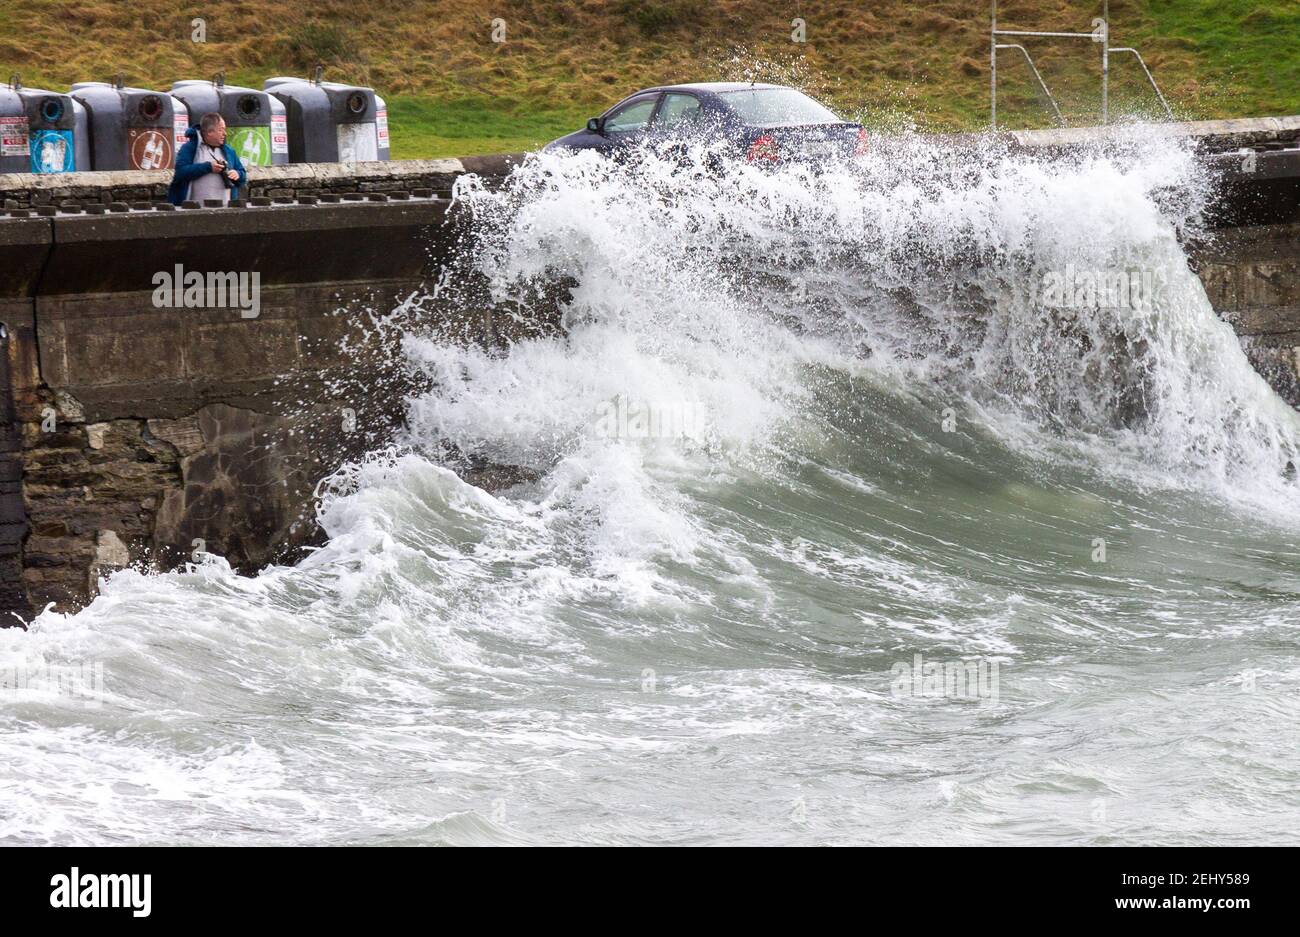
x: 418, y: 176
x: 147, y: 432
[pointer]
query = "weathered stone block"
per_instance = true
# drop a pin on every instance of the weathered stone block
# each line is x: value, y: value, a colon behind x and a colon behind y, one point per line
x: 1271, y: 284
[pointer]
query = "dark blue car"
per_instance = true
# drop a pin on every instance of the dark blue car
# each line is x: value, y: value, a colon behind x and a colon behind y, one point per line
x: 758, y: 122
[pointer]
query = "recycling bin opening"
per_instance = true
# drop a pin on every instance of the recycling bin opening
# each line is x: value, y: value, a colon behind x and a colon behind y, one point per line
x: 151, y: 107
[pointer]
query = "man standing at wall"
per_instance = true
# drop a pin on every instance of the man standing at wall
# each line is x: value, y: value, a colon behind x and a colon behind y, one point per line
x: 206, y: 167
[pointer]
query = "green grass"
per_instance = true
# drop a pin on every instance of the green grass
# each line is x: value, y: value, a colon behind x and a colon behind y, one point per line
x: 432, y: 128
x: 1249, y: 52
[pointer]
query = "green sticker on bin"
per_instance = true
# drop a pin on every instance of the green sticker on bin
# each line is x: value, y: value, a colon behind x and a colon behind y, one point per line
x: 253, y: 144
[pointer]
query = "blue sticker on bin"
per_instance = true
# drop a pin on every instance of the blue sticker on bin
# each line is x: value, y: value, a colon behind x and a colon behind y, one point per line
x: 52, y: 151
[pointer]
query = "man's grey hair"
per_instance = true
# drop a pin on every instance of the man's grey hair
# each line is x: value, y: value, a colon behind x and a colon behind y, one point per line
x: 209, y: 120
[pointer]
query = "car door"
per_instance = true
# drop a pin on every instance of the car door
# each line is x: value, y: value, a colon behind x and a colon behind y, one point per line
x: 625, y: 126
x: 677, y: 120
x: 678, y: 115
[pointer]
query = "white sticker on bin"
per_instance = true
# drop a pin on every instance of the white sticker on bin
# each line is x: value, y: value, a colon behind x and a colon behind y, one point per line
x: 13, y: 136
x: 357, y: 143
x: 279, y: 133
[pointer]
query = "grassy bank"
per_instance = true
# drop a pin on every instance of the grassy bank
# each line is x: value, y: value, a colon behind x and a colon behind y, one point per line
x: 454, y: 91
x: 436, y: 127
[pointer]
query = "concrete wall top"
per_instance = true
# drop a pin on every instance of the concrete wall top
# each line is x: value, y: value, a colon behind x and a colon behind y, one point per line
x: 1239, y: 132
x: 23, y: 190
x: 293, y: 176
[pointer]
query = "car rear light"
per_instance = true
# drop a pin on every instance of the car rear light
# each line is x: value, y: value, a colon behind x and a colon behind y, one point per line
x: 763, y: 150
x: 861, y: 146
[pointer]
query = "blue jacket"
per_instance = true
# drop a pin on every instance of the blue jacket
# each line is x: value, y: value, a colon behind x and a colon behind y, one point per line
x: 187, y: 170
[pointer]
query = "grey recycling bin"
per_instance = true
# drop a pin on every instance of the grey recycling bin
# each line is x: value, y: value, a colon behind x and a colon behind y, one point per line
x: 256, y: 122
x: 41, y: 131
x: 130, y: 128
x: 331, y: 122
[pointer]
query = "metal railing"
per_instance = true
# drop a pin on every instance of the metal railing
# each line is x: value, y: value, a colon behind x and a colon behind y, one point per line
x: 1146, y: 71
x: 1100, y: 33
x: 1042, y: 84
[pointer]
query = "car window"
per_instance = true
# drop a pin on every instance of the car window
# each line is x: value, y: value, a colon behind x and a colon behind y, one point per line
x: 632, y: 116
x: 765, y: 107
x: 678, y: 109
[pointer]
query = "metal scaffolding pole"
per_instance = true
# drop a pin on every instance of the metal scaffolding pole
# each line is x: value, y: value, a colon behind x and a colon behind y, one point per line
x: 1105, y: 63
